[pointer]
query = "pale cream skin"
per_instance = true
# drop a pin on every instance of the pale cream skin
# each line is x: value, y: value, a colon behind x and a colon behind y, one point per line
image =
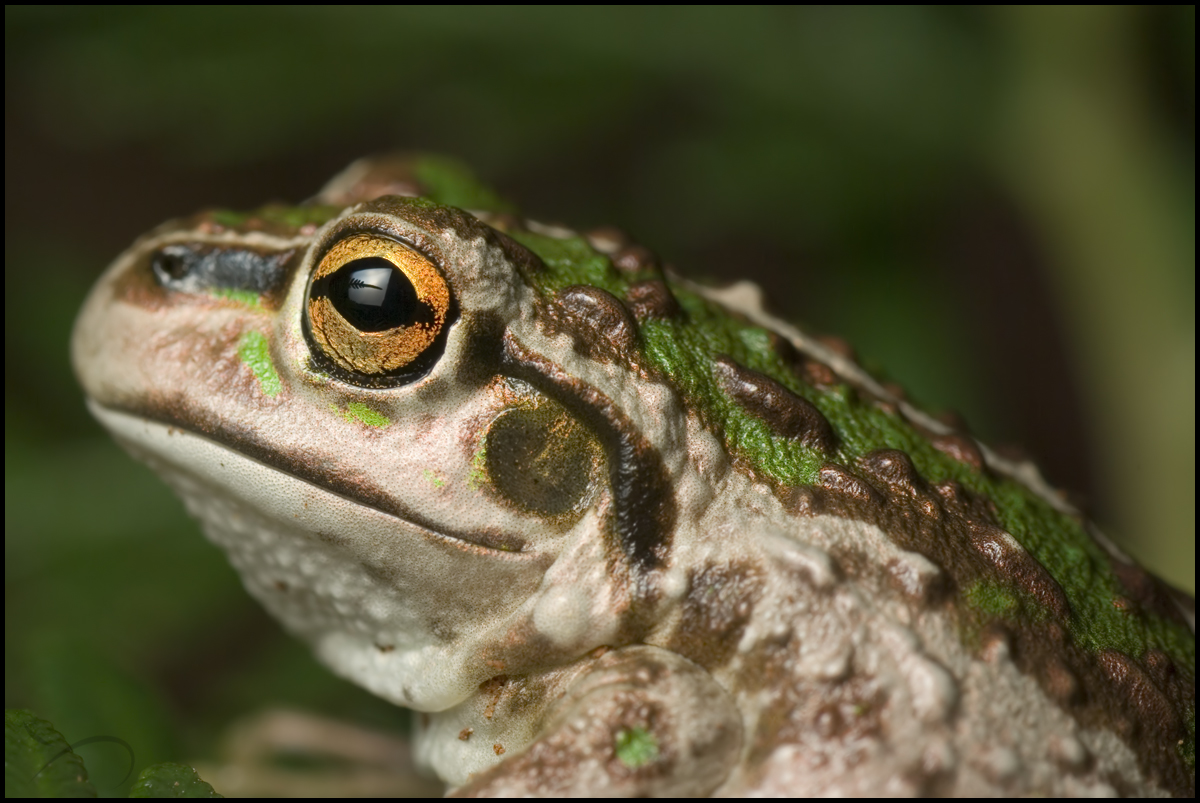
x: 750, y: 659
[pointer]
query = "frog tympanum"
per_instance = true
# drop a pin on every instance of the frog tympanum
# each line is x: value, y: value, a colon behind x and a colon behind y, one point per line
x: 617, y: 532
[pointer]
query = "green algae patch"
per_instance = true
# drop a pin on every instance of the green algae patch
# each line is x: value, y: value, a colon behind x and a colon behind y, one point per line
x: 255, y: 352
x: 433, y: 479
x: 477, y: 476
x: 357, y: 411
x: 247, y: 298
x: 450, y: 182
x: 276, y: 217
x: 572, y: 260
x: 229, y: 218
x: 636, y: 747
x: 993, y: 599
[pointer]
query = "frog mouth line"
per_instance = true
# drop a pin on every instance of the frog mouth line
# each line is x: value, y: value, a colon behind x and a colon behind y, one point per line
x: 160, y: 439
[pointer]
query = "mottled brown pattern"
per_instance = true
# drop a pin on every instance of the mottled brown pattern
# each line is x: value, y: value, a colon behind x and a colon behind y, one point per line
x: 718, y: 606
x: 829, y: 718
x: 958, y: 532
x: 621, y: 691
x: 551, y: 764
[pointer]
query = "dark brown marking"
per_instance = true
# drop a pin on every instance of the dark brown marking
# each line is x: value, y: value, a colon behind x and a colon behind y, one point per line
x: 1011, y: 561
x: 837, y: 479
x: 785, y: 413
x: 635, y: 259
x: 717, y: 609
x: 894, y: 469
x: 1154, y: 712
x: 642, y: 496
x: 952, y: 494
x: 1061, y: 682
x: 652, y: 299
x: 805, y: 367
x: 819, y: 374
x: 601, y: 326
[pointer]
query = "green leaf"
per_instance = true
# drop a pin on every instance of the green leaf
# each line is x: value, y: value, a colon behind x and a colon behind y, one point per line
x: 38, y: 762
x: 171, y: 780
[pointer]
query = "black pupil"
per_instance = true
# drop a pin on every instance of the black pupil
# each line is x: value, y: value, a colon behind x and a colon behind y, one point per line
x: 373, y: 295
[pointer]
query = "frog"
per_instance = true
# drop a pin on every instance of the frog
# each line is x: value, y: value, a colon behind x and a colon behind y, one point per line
x: 610, y: 530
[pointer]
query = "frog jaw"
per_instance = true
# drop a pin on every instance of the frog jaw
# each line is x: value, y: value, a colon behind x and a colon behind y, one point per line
x: 379, y: 598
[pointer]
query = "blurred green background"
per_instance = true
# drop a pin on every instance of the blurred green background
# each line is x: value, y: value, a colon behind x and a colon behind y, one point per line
x: 996, y: 205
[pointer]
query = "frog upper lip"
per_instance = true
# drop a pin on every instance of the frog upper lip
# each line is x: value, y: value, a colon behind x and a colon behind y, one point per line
x: 123, y: 424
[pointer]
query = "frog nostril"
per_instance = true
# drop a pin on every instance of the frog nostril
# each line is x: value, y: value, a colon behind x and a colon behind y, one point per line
x: 169, y: 265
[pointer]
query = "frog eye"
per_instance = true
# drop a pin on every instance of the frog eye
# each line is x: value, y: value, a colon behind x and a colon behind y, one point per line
x: 378, y: 311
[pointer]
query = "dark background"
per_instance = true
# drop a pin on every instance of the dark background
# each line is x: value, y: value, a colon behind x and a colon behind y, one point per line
x: 995, y: 205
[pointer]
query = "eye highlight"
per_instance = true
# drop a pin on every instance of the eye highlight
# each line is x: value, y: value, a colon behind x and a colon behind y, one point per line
x: 377, y: 311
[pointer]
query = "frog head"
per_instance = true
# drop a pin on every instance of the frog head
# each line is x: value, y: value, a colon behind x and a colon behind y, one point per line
x: 421, y: 464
